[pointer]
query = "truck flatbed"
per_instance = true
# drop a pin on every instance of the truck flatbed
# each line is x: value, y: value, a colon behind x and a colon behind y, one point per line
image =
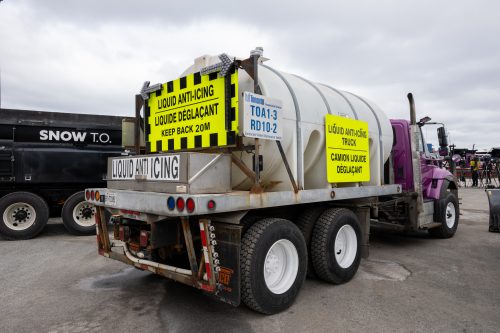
x: 156, y: 203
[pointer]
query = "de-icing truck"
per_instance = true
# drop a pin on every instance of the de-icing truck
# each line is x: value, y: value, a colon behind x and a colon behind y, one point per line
x: 253, y: 178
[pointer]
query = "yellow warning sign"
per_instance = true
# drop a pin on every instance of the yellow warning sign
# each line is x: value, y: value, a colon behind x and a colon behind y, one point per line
x: 195, y: 111
x: 347, y: 150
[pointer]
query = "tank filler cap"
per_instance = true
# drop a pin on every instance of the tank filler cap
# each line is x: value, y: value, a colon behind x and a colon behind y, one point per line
x: 258, y: 51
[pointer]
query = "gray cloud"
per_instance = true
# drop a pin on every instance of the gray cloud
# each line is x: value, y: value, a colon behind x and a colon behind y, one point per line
x: 92, y: 56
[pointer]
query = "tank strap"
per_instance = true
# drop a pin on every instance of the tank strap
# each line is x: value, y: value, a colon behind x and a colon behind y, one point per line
x: 298, y: 120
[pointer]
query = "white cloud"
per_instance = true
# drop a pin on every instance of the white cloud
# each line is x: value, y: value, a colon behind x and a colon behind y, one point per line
x: 92, y: 56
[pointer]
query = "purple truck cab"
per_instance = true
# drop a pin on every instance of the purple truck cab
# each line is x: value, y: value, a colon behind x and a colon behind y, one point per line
x: 434, y: 178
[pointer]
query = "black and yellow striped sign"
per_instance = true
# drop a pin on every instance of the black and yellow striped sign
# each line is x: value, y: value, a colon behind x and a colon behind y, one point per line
x: 195, y: 111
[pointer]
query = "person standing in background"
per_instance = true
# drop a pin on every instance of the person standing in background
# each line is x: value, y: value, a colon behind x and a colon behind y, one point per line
x: 488, y: 166
x: 474, y: 168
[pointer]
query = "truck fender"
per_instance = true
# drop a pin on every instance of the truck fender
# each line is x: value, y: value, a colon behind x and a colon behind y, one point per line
x: 448, y: 184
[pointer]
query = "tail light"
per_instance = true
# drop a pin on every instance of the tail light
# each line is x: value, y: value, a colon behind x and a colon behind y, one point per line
x: 180, y: 204
x: 87, y: 195
x: 171, y: 203
x: 211, y: 205
x: 190, y: 205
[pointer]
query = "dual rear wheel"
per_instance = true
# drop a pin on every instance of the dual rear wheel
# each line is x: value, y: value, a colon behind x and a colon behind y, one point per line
x: 23, y: 215
x: 274, y: 256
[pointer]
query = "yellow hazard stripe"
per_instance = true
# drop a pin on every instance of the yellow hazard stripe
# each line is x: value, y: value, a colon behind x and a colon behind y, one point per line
x: 175, y: 115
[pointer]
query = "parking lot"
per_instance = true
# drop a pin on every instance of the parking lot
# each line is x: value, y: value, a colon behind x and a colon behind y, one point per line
x: 410, y: 283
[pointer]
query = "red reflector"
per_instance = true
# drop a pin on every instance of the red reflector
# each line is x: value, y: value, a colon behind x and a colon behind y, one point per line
x: 180, y: 204
x: 211, y: 205
x: 92, y: 195
x: 130, y: 212
x: 144, y: 238
x: 190, y: 205
x: 87, y: 195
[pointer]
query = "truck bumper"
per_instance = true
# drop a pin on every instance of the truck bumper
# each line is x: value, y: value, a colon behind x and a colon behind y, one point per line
x: 213, y: 269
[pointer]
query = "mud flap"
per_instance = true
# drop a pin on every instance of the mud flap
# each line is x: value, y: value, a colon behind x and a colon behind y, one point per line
x: 228, y: 244
x: 363, y: 214
x: 494, y: 203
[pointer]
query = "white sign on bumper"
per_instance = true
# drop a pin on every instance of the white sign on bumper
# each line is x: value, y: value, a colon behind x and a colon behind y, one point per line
x: 147, y: 168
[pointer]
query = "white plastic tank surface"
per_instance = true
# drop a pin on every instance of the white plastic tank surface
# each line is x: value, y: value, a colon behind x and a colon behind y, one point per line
x: 305, y: 105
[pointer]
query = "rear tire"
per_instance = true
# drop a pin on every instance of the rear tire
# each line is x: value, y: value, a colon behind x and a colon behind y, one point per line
x: 78, y: 215
x: 447, y: 213
x: 273, y: 265
x: 23, y: 215
x: 306, y: 222
x: 336, y: 245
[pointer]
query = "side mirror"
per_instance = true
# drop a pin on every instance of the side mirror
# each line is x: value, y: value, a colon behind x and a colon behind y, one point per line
x: 442, y: 137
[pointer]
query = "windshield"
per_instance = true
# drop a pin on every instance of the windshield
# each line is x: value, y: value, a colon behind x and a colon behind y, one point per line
x: 421, y: 144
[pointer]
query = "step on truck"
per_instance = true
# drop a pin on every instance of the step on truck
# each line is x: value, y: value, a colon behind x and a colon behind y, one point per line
x: 47, y: 159
x: 254, y: 178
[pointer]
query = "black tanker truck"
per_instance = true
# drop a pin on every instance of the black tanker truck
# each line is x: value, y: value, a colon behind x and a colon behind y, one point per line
x: 47, y: 159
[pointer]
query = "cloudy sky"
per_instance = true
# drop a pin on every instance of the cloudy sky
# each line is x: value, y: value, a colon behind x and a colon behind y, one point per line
x: 93, y: 56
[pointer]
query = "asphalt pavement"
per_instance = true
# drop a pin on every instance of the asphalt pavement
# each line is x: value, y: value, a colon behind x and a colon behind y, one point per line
x: 410, y: 283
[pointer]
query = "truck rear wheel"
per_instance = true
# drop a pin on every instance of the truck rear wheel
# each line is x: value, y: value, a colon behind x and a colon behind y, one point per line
x: 336, y: 245
x: 447, y: 213
x: 78, y: 215
x: 24, y: 215
x: 306, y: 222
x: 273, y: 265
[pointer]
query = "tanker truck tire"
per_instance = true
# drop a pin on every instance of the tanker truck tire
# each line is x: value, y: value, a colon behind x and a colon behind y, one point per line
x: 447, y: 213
x: 24, y: 215
x: 336, y: 245
x: 273, y: 265
x: 78, y: 215
x: 306, y: 222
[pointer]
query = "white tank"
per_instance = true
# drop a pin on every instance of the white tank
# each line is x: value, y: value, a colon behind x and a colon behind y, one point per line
x: 305, y: 105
